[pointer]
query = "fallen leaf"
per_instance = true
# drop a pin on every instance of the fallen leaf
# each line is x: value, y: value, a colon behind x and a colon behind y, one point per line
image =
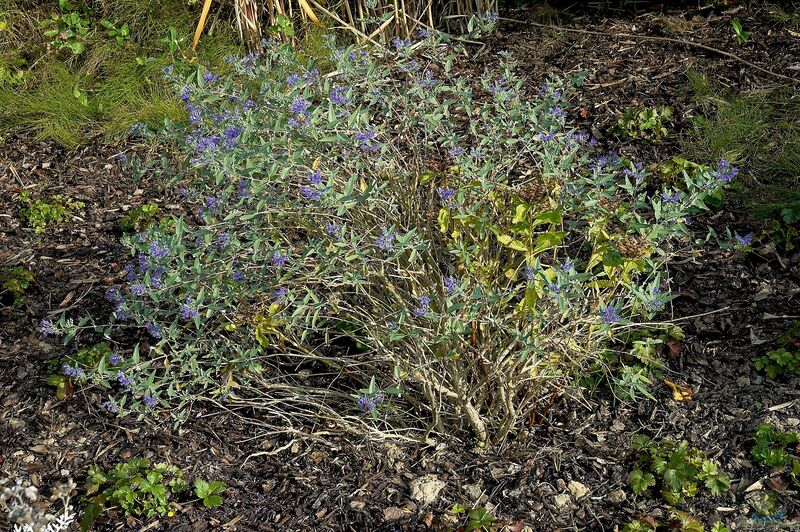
x: 680, y: 392
x: 674, y: 348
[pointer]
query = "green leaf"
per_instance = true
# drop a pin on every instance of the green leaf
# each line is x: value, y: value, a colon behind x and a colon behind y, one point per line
x: 89, y: 515
x: 640, y: 481
x: 212, y: 501
x: 718, y: 485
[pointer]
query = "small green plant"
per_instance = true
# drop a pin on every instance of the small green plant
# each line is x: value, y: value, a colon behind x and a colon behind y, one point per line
x: 771, y: 450
x: 779, y: 363
x: 139, y: 218
x: 283, y: 26
x: 39, y: 213
x: 15, y: 281
x: 741, y: 36
x: 677, y: 520
x: 119, y: 34
x: 677, y: 470
x: 209, y: 492
x: 477, y: 519
x: 68, y: 29
x: 141, y: 490
x: 134, y: 486
x: 643, y: 362
x: 784, y: 361
x: 647, y: 123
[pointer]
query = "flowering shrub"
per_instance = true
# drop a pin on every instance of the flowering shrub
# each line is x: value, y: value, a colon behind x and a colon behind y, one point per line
x: 455, y: 238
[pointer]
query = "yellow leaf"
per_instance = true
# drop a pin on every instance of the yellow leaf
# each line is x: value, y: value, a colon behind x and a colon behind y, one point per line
x: 794, y: 33
x: 680, y: 392
x: 316, y: 164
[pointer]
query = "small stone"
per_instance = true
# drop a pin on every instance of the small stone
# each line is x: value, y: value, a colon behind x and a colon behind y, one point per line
x: 357, y: 505
x: 562, y: 500
x: 578, y: 490
x: 65, y: 472
x: 426, y: 489
x: 473, y: 491
x: 393, y: 513
x: 617, y: 496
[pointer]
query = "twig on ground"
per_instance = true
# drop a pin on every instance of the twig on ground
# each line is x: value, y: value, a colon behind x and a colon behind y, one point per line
x: 659, y: 39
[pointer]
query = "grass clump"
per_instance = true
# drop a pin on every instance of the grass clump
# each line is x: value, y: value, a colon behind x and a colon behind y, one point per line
x: 104, y: 78
x: 760, y: 132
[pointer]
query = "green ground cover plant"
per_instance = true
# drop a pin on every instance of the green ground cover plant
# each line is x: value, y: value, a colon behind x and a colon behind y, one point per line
x: 676, y: 470
x: 15, y: 282
x: 39, y: 213
x: 770, y: 449
x: 785, y: 360
x: 141, y: 489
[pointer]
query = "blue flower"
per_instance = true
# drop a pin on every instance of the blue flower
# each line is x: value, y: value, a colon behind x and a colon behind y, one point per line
x: 609, y: 315
x: 311, y: 194
x: 726, y: 172
x: 637, y: 173
x: 278, y: 259
x: 567, y: 266
x: 210, y: 77
x: 530, y: 274
x: 456, y: 152
x: 69, y: 371
x: 280, y: 294
x: 124, y: 381
x: 188, y: 310
x: 447, y: 195
x: 366, y: 404
x: 451, y: 284
x: 671, y: 198
x: 137, y: 289
x: 339, y: 96
x: 557, y: 112
x: 111, y: 407
x: 332, y: 228
x: 547, y: 137
x: 154, y: 330
x: 150, y: 401
x: 223, y: 239
x: 115, y: 358
x: 238, y: 276
x: 113, y: 295
x: 400, y: 44
x: 186, y: 94
x: 386, y: 240
x: 47, y: 328
x: 423, y: 306
x: 743, y: 240
x: 243, y: 188
x: 300, y: 106
x: 314, y: 177
x: 294, y: 80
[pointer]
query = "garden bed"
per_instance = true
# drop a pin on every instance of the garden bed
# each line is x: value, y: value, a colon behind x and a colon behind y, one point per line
x: 732, y: 306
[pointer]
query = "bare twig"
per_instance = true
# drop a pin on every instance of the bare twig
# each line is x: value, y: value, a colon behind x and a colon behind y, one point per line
x: 660, y: 39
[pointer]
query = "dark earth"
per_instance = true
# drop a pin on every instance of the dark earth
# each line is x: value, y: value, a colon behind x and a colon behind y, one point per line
x: 732, y: 306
